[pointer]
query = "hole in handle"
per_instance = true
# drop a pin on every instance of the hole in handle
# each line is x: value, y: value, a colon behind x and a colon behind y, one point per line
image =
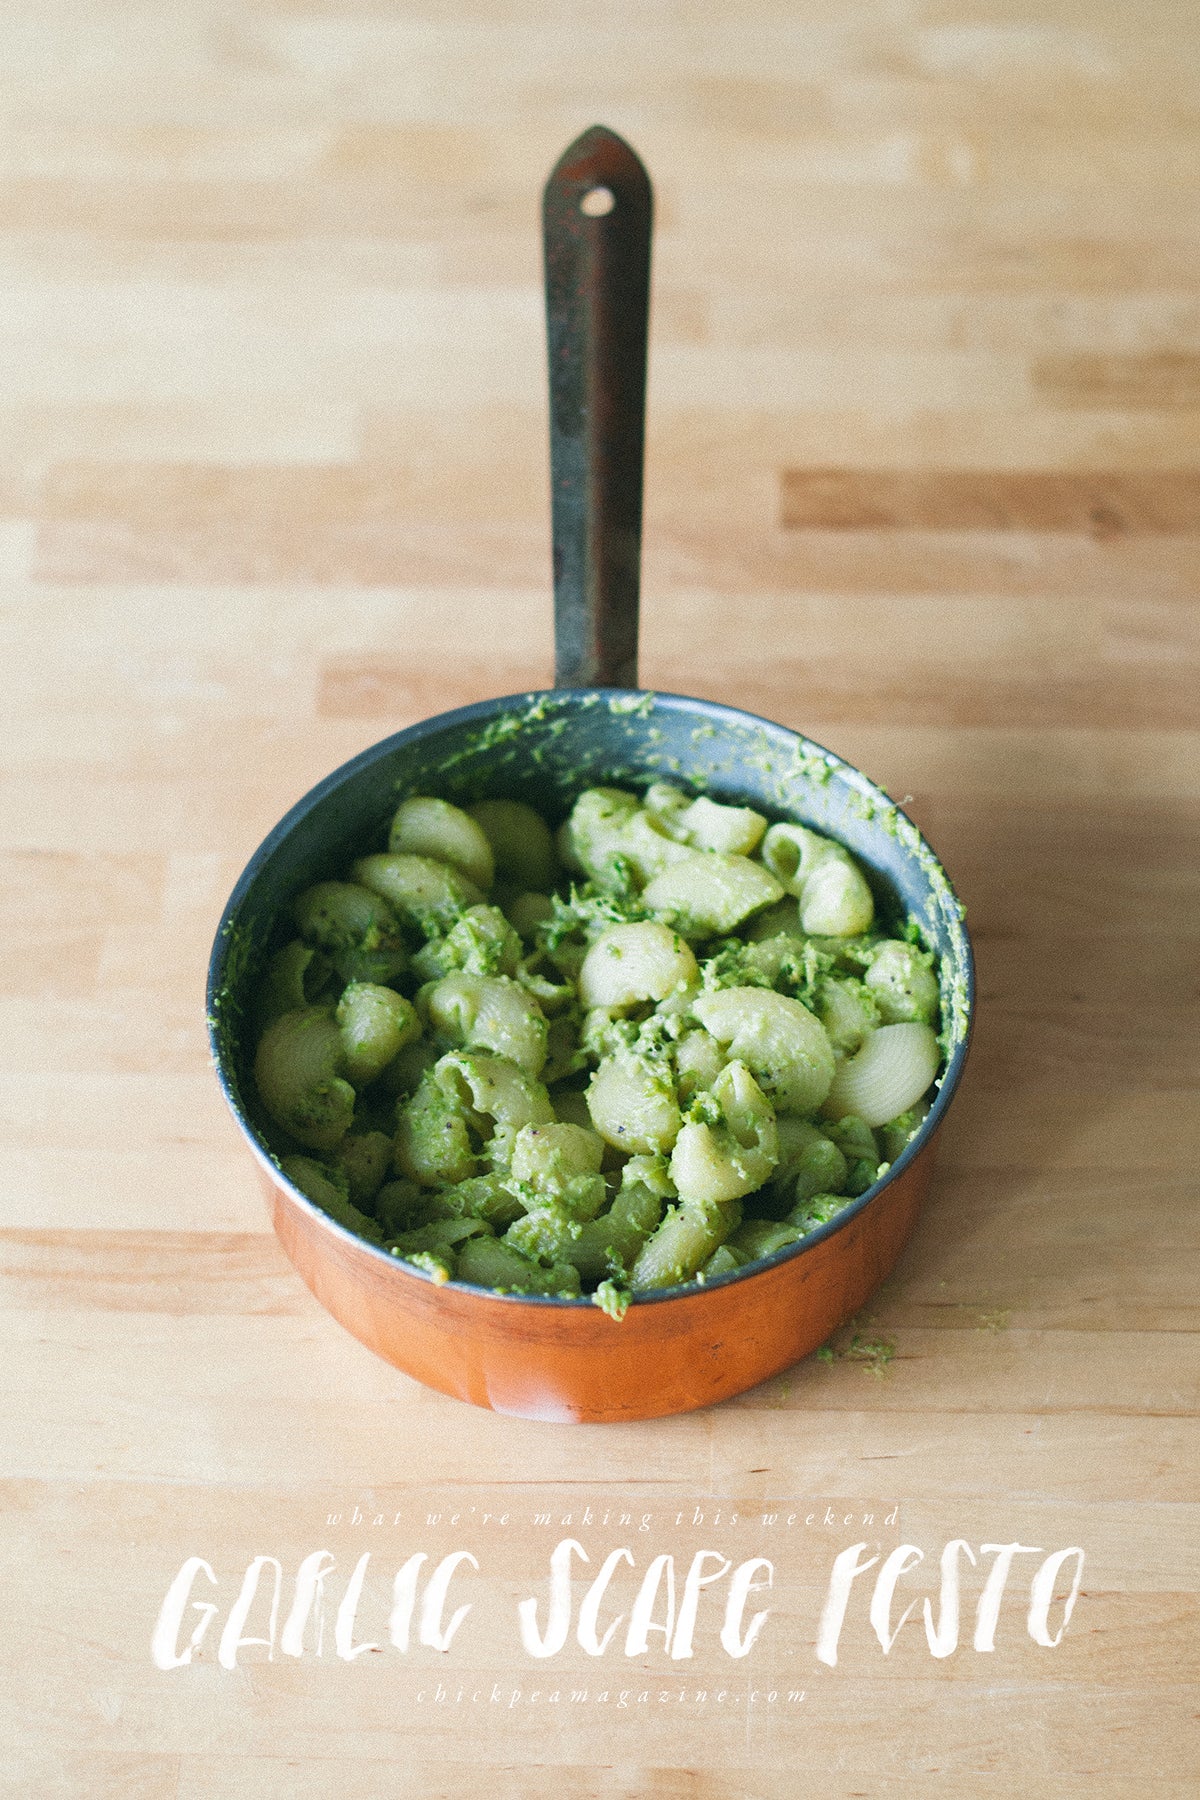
x: 597, y: 202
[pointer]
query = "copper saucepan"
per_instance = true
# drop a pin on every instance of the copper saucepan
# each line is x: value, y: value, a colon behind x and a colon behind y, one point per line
x: 679, y: 1348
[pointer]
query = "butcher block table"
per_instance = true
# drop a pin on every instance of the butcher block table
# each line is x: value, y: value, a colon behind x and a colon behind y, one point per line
x: 923, y: 480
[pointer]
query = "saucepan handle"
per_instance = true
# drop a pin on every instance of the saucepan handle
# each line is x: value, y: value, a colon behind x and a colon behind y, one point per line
x: 596, y: 223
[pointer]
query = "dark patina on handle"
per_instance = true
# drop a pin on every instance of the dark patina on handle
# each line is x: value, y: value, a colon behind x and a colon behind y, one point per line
x: 596, y: 222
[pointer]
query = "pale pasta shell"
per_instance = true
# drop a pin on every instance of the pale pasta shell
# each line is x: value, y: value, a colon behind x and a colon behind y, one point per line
x: 424, y: 826
x: 630, y: 963
x: 889, y: 1074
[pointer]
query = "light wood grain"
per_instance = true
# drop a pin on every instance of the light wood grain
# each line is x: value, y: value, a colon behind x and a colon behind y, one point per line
x: 922, y: 479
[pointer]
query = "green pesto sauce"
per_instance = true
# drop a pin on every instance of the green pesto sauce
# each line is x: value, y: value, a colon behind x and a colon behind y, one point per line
x: 229, y: 1002
x: 632, y: 705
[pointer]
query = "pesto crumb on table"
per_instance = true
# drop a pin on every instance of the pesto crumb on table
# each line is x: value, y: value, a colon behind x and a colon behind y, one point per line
x: 646, y: 1051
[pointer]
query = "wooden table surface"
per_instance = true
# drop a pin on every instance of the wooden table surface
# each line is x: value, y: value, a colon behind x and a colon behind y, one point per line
x: 922, y: 479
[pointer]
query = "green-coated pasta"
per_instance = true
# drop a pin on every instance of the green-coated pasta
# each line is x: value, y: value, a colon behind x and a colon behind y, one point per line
x: 683, y: 1055
x: 848, y: 1010
x: 607, y: 829
x: 763, y: 1237
x: 898, y: 1133
x: 902, y: 984
x: 551, y: 1223
x: 809, y: 1161
x: 707, y: 893
x: 438, y: 1235
x: 397, y: 1204
x: 633, y: 963
x: 433, y: 1145
x: 375, y: 1024
x: 520, y: 840
x: 554, y: 1153
x: 699, y: 1059
x: 427, y: 894
x: 833, y: 893
x: 493, y: 1087
x: 481, y: 942
x: 356, y: 926
x: 489, y: 1012
x: 365, y: 1157
x: 526, y: 912
x: 683, y: 1242
x: 857, y: 1143
x: 732, y: 1150
x: 542, y: 978
x: 779, y: 1040
x: 298, y: 1072
x: 325, y: 1190
x: 297, y: 976
x: 609, y: 1246
x: 807, y: 1214
x: 725, y: 1260
x: 486, y: 1197
x: 632, y: 1103
x: 488, y: 1263
x: 424, y: 826
x: 703, y: 823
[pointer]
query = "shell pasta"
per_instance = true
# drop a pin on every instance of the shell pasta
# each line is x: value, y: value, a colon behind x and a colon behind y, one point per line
x: 646, y: 1050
